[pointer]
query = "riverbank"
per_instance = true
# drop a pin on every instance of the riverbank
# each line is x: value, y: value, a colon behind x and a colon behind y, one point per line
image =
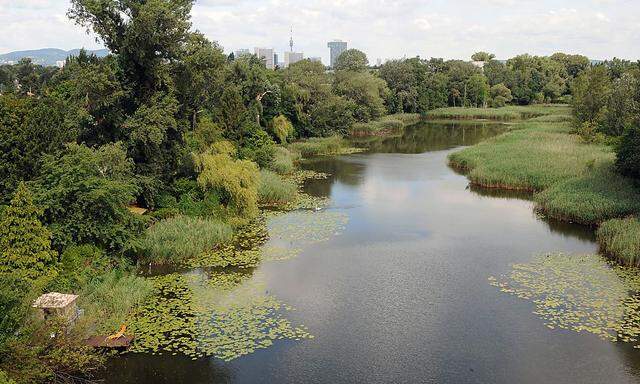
x: 385, y: 126
x: 571, y: 181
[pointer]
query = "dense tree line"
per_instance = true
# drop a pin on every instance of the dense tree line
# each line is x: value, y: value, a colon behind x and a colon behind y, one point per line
x: 606, y: 104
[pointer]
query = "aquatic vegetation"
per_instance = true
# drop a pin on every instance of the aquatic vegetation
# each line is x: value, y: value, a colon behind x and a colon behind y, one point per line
x: 223, y: 314
x: 512, y: 112
x: 386, y: 125
x: 582, y: 293
x: 320, y: 146
x: 274, y: 190
x: 182, y: 238
x: 620, y: 238
x: 291, y: 232
x: 242, y: 251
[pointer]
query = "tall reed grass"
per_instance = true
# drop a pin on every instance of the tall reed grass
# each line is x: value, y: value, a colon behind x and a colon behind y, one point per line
x: 620, y: 238
x: 273, y: 190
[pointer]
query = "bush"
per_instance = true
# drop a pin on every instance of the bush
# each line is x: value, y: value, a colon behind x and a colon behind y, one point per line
x: 180, y: 238
x: 588, y: 132
x: 274, y: 190
x: 4, y: 378
x: 235, y: 181
x: 258, y: 147
x: 628, y: 153
x: 79, y: 264
x: 620, y: 238
x: 282, y: 128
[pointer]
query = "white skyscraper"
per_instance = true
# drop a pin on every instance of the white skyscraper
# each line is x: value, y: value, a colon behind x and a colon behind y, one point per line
x: 266, y: 55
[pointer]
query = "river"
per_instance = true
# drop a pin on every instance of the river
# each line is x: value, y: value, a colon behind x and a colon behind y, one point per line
x: 401, y: 295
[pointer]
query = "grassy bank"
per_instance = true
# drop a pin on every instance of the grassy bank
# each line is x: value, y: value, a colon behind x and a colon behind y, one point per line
x: 572, y: 181
x: 509, y: 113
x: 386, y: 125
x: 620, y: 238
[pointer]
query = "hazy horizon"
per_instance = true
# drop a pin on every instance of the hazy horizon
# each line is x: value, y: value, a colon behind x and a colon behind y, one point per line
x: 599, y: 29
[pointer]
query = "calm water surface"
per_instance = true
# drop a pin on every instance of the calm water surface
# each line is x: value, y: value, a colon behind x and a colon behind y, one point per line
x: 401, y: 296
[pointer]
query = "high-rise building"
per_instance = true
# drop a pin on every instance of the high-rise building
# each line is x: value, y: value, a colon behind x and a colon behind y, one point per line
x: 336, y: 47
x: 316, y: 58
x: 292, y: 57
x: 275, y: 59
x: 242, y: 52
x: 266, y: 55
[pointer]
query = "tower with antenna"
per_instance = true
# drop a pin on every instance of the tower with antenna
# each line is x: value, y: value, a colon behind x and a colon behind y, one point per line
x: 291, y: 40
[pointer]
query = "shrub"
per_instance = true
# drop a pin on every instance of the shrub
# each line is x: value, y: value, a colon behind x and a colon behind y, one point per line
x: 274, y: 190
x: 620, y: 238
x: 180, y: 238
x: 79, y: 264
x: 4, y: 378
x: 628, y: 153
x: 235, y: 181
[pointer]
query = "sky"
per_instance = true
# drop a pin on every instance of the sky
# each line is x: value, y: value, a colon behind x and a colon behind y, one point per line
x: 599, y: 29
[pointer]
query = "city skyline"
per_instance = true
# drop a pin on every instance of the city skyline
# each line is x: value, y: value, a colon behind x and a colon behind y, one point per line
x: 382, y: 29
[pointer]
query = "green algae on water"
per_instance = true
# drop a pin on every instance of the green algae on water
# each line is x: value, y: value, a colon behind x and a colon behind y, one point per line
x: 582, y: 293
x: 224, y: 314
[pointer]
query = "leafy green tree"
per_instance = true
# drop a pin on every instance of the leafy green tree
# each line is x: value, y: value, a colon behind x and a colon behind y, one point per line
x: 146, y: 36
x: 334, y: 116
x: 29, y: 128
x: 482, y: 56
x: 591, y: 90
x: 498, y: 73
x: 25, y: 244
x: 623, y: 107
x: 573, y: 64
x: 351, y: 60
x: 403, y: 85
x: 628, y: 153
x: 235, y: 181
x: 85, y: 193
x: 477, y: 88
x: 365, y: 90
x: 500, y: 95
x: 282, y: 128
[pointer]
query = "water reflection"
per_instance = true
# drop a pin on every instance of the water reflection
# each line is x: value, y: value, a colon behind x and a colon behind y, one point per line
x: 402, y: 294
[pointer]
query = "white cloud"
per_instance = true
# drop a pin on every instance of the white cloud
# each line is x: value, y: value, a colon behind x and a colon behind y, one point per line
x: 382, y: 28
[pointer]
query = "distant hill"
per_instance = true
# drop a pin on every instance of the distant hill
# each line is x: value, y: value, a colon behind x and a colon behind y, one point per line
x: 45, y: 56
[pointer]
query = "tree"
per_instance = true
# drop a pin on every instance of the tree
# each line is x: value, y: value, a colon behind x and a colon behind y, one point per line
x: 334, y: 116
x: 366, y: 91
x: 351, y: 60
x: 623, y: 106
x: 25, y: 244
x: 482, y: 56
x: 573, y: 64
x: 591, y: 90
x: 477, y: 88
x: 146, y: 36
x: 498, y: 73
x: 628, y: 153
x: 282, y: 128
x: 85, y: 193
x: 235, y: 181
x: 500, y: 95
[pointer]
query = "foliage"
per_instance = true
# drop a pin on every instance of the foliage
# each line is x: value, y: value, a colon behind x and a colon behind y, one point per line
x: 25, y: 244
x: 386, y: 125
x: 366, y: 91
x: 79, y: 265
x: 85, y: 193
x: 5, y: 379
x: 235, y: 181
x: 182, y: 237
x: 590, y: 94
x: 282, y: 128
x: 482, y: 56
x: 351, y: 60
x: 500, y: 95
x: 628, y: 153
x: 620, y: 238
x: 273, y: 190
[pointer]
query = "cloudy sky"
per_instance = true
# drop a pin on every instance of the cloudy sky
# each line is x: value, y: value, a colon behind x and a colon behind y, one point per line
x: 382, y: 28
